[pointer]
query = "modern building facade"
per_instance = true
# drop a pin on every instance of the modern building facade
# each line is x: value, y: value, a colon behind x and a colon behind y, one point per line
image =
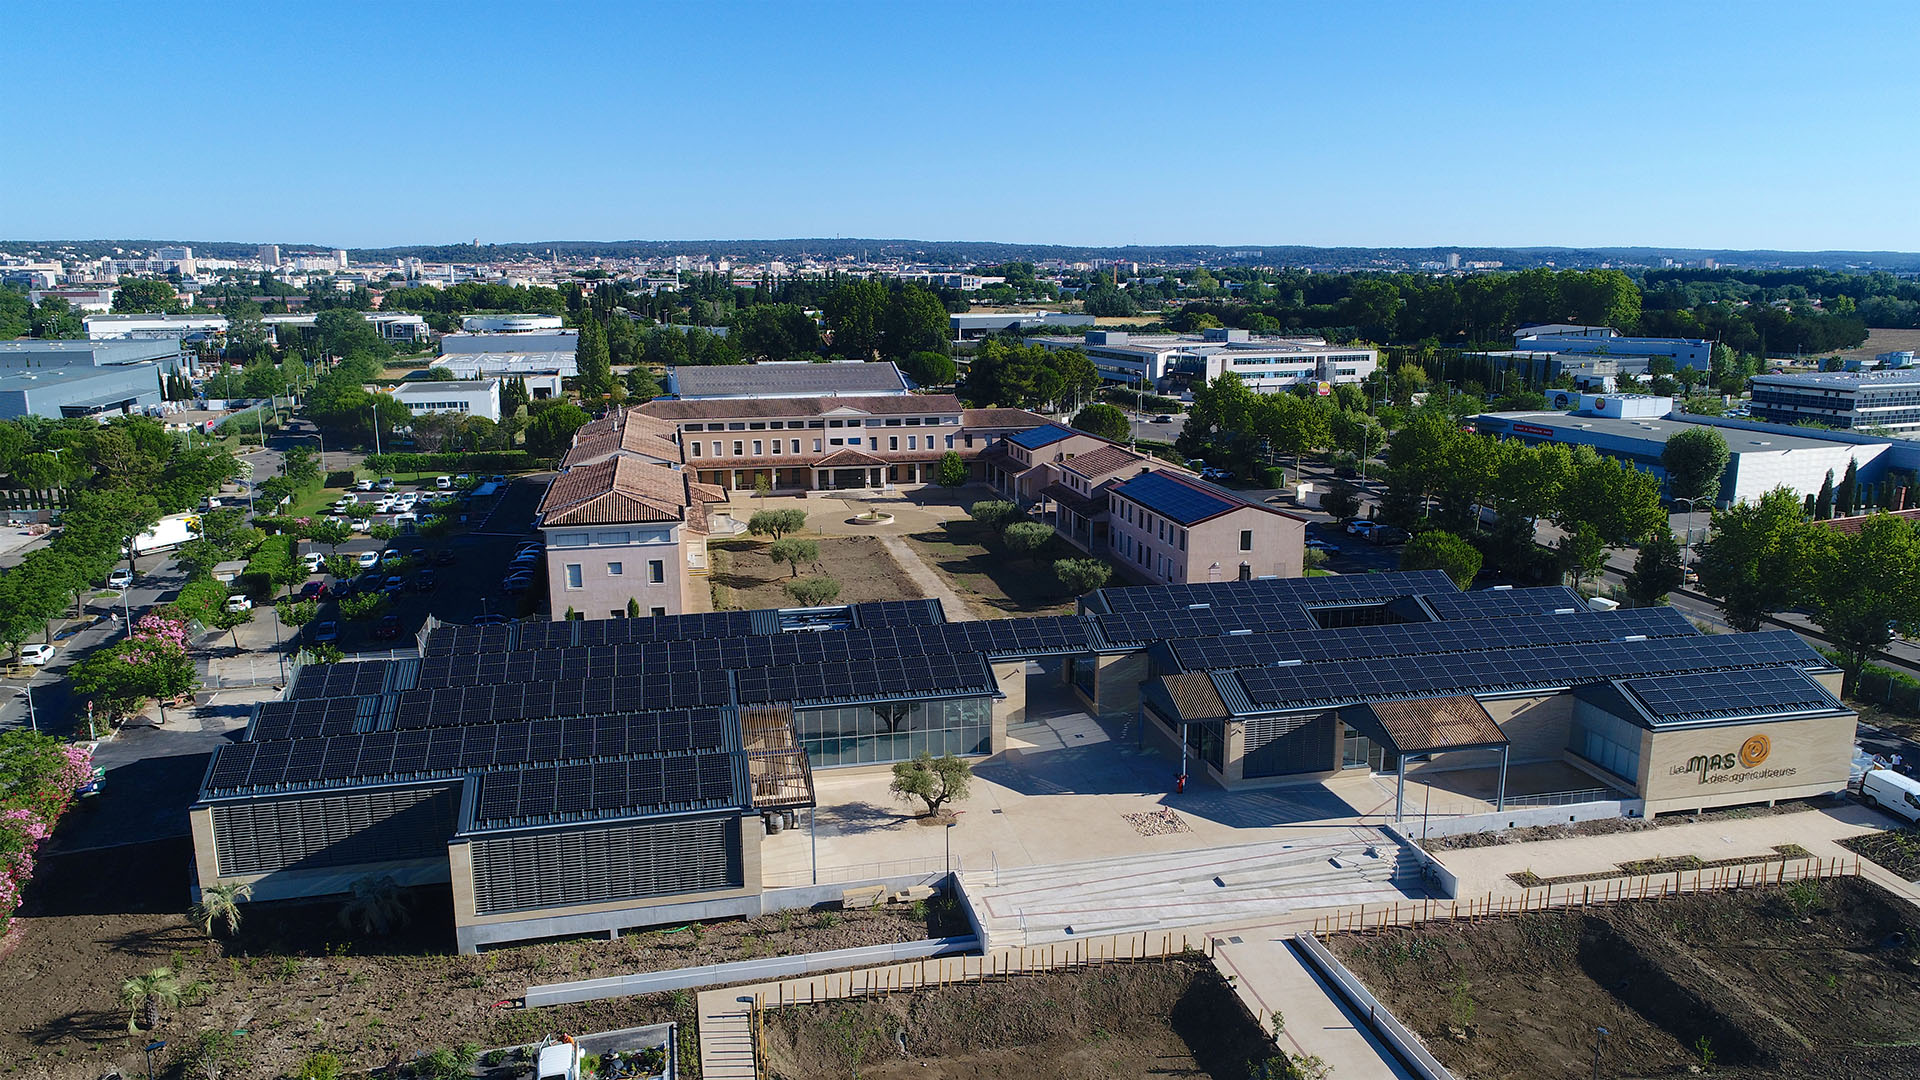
x: 110, y: 327
x: 588, y: 776
x: 510, y: 324
x: 1849, y: 400
x: 1265, y: 364
x: 971, y: 325
x: 74, y: 390
x: 39, y: 352
x: 817, y: 443
x: 473, y: 397
x: 544, y: 373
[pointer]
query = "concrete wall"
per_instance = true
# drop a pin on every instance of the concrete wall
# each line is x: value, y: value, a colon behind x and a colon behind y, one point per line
x: 1537, y: 729
x: 1011, y: 675
x: 1764, y: 762
x: 1116, y: 684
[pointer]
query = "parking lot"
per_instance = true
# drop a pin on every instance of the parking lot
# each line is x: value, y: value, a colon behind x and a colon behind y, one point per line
x: 455, y: 578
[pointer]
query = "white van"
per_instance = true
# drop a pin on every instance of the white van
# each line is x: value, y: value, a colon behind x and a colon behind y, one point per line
x: 1884, y: 789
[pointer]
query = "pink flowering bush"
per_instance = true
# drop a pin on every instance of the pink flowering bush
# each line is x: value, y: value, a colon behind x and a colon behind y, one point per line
x: 161, y: 628
x: 38, y: 778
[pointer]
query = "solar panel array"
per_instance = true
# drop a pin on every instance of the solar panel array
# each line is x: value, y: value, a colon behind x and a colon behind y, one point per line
x: 1172, y: 499
x: 342, y: 680
x: 1422, y: 639
x: 1146, y: 627
x: 1503, y: 603
x: 869, y: 679
x: 304, y: 718
x: 898, y: 613
x: 453, y: 640
x: 1340, y: 589
x: 1724, y: 695
x: 453, y: 751
x: 1318, y: 685
x: 557, y: 794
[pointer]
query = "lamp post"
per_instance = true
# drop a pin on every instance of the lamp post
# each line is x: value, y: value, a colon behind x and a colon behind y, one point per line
x: 949, y: 831
x: 375, y: 410
x: 32, y: 721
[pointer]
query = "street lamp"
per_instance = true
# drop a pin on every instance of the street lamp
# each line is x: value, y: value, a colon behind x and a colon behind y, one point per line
x: 375, y: 410
x: 32, y: 721
x: 950, y: 826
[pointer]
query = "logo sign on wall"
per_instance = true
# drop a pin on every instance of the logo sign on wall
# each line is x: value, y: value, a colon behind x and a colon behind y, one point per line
x: 1738, y: 767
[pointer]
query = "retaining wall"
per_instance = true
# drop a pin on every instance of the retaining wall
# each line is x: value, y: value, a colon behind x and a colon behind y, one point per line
x: 1377, y: 1016
x: 746, y: 971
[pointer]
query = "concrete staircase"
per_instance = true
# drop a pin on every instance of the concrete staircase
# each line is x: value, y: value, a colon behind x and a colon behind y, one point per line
x: 1037, y: 904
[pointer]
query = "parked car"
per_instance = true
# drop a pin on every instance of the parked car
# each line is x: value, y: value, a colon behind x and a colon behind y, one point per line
x: 396, y: 585
x: 120, y: 579
x: 1362, y: 529
x: 363, y: 485
x: 1163, y: 418
x: 1211, y: 473
x: 36, y: 654
x: 366, y: 559
x: 406, y: 517
x: 425, y: 581
x: 443, y: 483
x: 1884, y: 789
x: 312, y: 561
x: 443, y: 557
x: 491, y: 620
x: 324, y: 632
x: 1322, y: 545
x: 314, y: 590
x: 237, y: 604
x: 496, y: 479
x: 1386, y: 535
x: 385, y: 483
x: 387, y: 627
x: 516, y: 583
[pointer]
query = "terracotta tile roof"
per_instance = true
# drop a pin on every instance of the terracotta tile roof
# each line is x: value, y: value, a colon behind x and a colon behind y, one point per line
x: 624, y: 489
x: 1001, y: 418
x: 1096, y: 464
x: 849, y: 457
x: 877, y: 405
x: 1853, y: 524
x: 624, y: 432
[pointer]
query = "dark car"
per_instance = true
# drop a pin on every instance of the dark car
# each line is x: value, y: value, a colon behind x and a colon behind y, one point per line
x: 425, y: 581
x: 491, y: 620
x: 388, y: 627
x: 314, y: 590
x: 418, y: 555
x: 395, y: 585
x: 443, y: 557
x: 326, y: 631
x: 516, y: 583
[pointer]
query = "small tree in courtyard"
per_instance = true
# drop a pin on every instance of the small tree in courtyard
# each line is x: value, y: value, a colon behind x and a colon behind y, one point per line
x: 1082, y: 576
x: 1026, y: 537
x: 1342, y: 501
x: 794, y: 551
x: 813, y: 591
x: 1656, y: 570
x: 953, y: 470
x: 935, y: 781
x: 776, y: 523
x: 993, y: 513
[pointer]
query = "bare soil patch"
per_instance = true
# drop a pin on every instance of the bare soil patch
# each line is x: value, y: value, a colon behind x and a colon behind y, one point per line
x: 1898, y: 850
x: 1811, y: 979
x: 1170, y: 1018
x: 995, y: 582
x: 861, y: 564
x: 296, y: 983
x: 1660, y: 865
x: 1879, y: 341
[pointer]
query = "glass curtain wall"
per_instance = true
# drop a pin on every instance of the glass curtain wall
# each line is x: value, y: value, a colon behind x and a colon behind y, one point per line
x: 894, y: 731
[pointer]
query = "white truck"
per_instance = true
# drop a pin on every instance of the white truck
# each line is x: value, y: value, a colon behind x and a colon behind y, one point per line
x: 167, y: 533
x: 558, y: 1060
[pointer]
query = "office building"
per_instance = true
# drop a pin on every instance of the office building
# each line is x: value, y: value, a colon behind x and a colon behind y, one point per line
x: 72, y: 390
x: 468, y: 397
x: 594, y: 775
x: 1604, y: 341
x: 95, y: 301
x: 510, y: 324
x: 1849, y: 400
x: 971, y: 325
x: 625, y: 530
x: 55, y: 352
x: 393, y: 325
x: 1265, y: 364
x: 179, y: 327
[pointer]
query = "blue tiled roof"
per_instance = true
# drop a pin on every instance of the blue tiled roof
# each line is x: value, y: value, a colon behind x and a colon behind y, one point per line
x: 1035, y: 438
x: 1171, y: 499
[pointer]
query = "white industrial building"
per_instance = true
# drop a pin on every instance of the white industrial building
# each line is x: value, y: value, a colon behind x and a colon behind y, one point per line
x: 468, y: 397
x: 509, y: 324
x: 1636, y: 428
x: 550, y: 340
x: 1265, y: 364
x: 969, y: 325
x: 1605, y: 341
x: 111, y: 327
x: 393, y: 325
x: 542, y: 372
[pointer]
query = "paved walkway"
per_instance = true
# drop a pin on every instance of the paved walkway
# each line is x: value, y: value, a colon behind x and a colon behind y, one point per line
x: 1269, y: 977
x: 926, y: 578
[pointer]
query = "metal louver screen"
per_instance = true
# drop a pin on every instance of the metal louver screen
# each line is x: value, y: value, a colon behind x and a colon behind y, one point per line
x: 596, y: 865
x: 1293, y: 744
x: 349, y: 829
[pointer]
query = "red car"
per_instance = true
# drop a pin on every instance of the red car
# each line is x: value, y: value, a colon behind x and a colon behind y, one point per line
x: 389, y: 627
x: 314, y: 590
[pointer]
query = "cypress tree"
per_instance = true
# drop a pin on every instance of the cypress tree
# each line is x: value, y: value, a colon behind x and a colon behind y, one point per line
x: 1846, y: 497
x: 1823, y: 505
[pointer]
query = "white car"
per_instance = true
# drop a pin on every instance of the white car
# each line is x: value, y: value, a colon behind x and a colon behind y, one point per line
x: 406, y: 517
x: 443, y: 483
x: 313, y: 559
x: 120, y: 578
x: 35, y: 654
x: 363, y: 485
x: 239, y: 603
x: 366, y: 559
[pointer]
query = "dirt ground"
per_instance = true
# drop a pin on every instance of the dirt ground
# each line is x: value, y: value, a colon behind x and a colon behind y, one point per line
x: 1879, y: 341
x: 294, y: 986
x: 1176, y: 1018
x: 1896, y: 849
x: 1811, y: 979
x: 996, y: 583
x: 860, y: 564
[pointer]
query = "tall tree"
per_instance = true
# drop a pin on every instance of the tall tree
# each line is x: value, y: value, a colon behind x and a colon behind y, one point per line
x: 1846, y: 497
x: 1759, y: 558
x: 1694, y: 460
x: 593, y: 360
x: 142, y: 295
x: 1863, y: 585
x: 856, y: 313
x: 1823, y: 503
x: 1656, y: 570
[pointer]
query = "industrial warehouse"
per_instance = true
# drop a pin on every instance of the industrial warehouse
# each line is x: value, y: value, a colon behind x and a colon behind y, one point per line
x: 591, y: 776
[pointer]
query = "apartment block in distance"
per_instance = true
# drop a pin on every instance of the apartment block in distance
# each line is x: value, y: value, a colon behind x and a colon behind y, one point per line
x: 1265, y: 364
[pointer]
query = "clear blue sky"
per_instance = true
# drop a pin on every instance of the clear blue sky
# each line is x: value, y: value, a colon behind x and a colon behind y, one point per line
x: 1740, y: 125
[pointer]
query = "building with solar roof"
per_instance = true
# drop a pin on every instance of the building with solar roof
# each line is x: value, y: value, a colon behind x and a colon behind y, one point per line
x: 588, y: 776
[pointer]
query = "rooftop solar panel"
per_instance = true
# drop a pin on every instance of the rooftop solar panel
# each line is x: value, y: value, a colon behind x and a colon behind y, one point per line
x: 557, y: 794
x: 1341, y: 588
x: 1723, y: 695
